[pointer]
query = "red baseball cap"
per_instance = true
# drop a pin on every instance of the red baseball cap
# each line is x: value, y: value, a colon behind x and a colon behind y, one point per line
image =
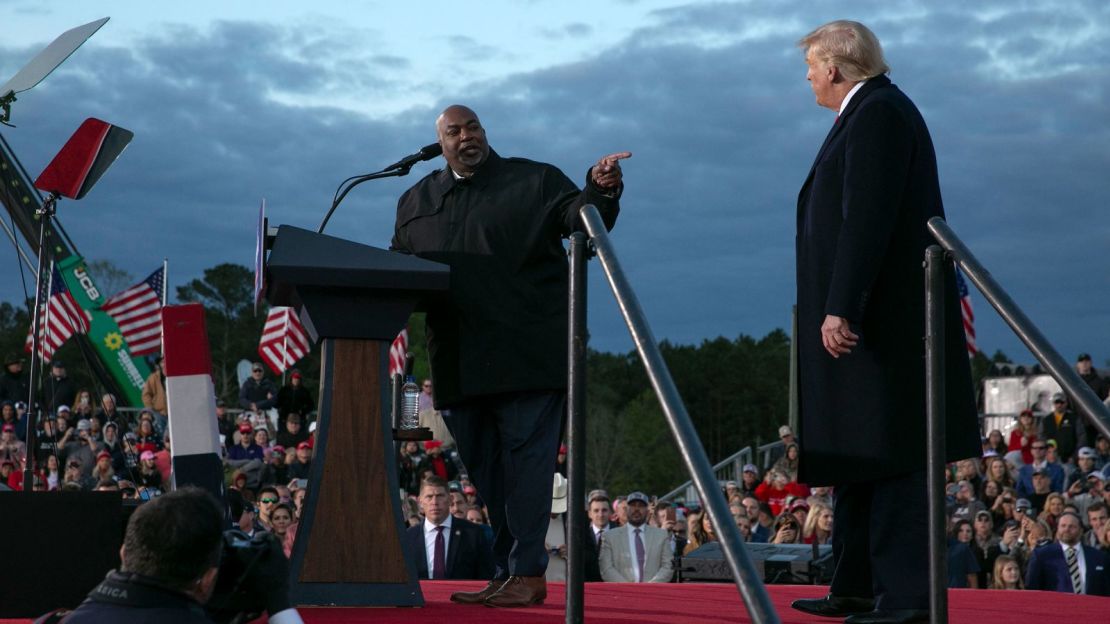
x: 245, y: 428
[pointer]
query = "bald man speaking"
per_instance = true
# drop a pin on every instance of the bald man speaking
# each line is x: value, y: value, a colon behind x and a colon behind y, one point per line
x: 498, y: 341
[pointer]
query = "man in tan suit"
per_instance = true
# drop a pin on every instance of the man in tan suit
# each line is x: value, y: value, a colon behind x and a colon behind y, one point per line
x: 635, y: 552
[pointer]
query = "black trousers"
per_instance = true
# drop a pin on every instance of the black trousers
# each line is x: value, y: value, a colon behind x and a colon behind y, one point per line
x: 508, y: 444
x: 880, y: 542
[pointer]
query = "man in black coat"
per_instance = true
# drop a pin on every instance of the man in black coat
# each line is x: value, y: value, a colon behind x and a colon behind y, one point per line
x: 497, y: 342
x: 862, y: 234
x: 464, y: 550
x: 15, y: 384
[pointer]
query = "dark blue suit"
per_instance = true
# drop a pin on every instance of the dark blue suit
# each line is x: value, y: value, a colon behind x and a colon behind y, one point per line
x: 469, y: 555
x: 1048, y: 570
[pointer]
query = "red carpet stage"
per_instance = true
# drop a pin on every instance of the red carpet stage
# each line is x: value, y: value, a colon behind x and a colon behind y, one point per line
x: 702, y: 603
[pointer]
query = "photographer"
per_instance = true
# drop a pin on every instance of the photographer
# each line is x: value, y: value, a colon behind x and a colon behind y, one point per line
x: 171, y: 557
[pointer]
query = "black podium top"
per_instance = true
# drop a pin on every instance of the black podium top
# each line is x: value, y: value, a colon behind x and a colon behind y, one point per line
x: 343, y: 289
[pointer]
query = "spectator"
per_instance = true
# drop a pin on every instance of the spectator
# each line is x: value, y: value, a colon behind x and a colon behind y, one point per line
x: 281, y: 518
x: 966, y: 504
x: 147, y: 439
x: 148, y: 475
x: 985, y: 546
x: 83, y: 406
x: 786, y: 434
x: 788, y: 463
x: 963, y: 570
x: 57, y: 389
x: 8, y: 416
x: 991, y: 491
x: 786, y: 530
x: 408, y: 464
x: 246, y: 449
x: 1023, y: 436
x: 262, y: 441
x: 1068, y: 565
x: 154, y: 394
x: 458, y: 503
x: 995, y: 442
x: 1099, y: 384
x: 1076, y: 482
x: 761, y: 519
x: 301, y: 467
x: 82, y: 448
x: 1051, y: 510
x: 14, y: 384
x: 699, y: 534
x: 749, y: 480
x: 9, y: 475
x: 267, y: 499
x: 226, y: 423
x: 292, y: 432
x: 555, y: 542
x: 776, y: 487
x: 257, y: 393
x: 102, y: 470
x: 1102, y: 449
x: 999, y: 472
x: 10, y: 446
x: 799, y: 508
x: 109, y: 412
x: 636, y: 552
x: 52, y: 475
x: 1054, y: 472
x: 1098, y: 518
x: 1061, y: 425
x: 599, y: 512
x: 425, y: 399
x: 818, y: 525
x: 436, y: 463
x: 445, y: 547
x: 293, y: 398
x: 1039, y: 496
x: 1007, y: 573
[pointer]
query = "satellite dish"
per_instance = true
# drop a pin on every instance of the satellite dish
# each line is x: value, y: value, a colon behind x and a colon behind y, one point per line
x: 45, y: 62
x: 243, y: 370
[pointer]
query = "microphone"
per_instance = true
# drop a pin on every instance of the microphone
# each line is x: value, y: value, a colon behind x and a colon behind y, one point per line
x: 427, y: 152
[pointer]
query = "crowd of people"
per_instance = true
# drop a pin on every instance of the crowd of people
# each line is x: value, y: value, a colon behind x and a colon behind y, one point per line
x: 1037, y: 491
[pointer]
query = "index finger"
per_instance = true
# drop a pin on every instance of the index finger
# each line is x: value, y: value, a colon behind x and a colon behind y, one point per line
x: 618, y: 156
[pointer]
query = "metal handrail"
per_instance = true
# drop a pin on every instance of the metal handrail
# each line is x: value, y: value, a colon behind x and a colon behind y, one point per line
x: 752, y: 591
x: 728, y: 469
x: 1088, y: 403
x: 1093, y: 410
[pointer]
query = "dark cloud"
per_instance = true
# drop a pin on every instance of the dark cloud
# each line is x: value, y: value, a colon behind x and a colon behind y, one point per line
x: 710, y: 98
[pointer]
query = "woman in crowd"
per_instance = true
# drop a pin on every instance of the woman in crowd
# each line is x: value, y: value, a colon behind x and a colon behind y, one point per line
x: 1053, y: 507
x: 968, y: 470
x: 262, y: 439
x: 788, y: 463
x: 1023, y: 436
x: 1007, y: 573
x: 1003, y: 507
x: 818, y: 526
x: 148, y: 475
x: 991, y: 491
x: 52, y: 476
x: 786, y: 530
x: 146, y: 439
x: 700, y: 534
x: 995, y: 442
x: 281, y: 516
x: 82, y: 405
x: 999, y: 472
x: 103, y: 470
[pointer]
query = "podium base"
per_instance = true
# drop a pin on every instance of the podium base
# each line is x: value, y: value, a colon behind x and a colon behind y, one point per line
x: 412, y: 435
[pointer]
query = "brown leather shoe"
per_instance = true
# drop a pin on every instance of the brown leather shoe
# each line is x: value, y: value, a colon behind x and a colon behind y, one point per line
x: 478, y: 596
x: 519, y: 591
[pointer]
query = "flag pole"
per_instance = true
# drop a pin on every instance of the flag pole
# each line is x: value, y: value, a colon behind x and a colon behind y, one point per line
x: 165, y: 279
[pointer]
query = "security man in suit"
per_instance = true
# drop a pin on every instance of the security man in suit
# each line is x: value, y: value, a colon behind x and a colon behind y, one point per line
x: 636, y: 552
x: 445, y: 547
x: 861, y: 239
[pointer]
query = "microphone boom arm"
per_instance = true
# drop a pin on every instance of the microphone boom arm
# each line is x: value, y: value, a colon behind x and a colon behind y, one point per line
x: 386, y: 173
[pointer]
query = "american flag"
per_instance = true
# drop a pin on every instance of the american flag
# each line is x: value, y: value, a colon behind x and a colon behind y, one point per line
x: 283, y: 339
x: 61, y: 317
x: 397, y: 353
x: 138, y: 312
x: 967, y: 313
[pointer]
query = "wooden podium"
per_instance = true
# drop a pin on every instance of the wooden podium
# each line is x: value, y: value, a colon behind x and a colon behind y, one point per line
x: 355, y: 299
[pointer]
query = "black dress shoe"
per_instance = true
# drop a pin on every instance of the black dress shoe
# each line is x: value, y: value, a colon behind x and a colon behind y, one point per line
x: 889, y: 616
x: 834, y: 606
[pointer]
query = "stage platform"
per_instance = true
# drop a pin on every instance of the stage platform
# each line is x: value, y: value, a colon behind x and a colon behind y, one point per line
x: 701, y: 603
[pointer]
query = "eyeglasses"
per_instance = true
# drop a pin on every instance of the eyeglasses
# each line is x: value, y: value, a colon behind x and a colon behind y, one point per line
x: 257, y: 370
x: 1039, y: 448
x: 267, y: 500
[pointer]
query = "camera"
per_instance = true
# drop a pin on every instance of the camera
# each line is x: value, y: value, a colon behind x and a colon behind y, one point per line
x: 234, y: 599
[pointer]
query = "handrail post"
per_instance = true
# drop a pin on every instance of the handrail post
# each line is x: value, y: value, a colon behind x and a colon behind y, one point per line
x: 578, y: 336
x: 752, y: 591
x: 935, y: 415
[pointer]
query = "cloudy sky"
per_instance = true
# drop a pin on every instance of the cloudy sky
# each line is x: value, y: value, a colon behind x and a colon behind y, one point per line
x: 229, y: 106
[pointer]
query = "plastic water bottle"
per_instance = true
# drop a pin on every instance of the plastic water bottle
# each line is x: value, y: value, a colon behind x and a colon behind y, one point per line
x: 410, y: 404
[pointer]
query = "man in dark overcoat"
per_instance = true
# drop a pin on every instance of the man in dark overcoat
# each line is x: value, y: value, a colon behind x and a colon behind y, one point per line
x: 862, y: 234
x: 497, y: 344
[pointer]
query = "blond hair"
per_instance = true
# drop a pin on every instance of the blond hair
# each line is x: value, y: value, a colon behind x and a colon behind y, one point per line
x: 850, y: 46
